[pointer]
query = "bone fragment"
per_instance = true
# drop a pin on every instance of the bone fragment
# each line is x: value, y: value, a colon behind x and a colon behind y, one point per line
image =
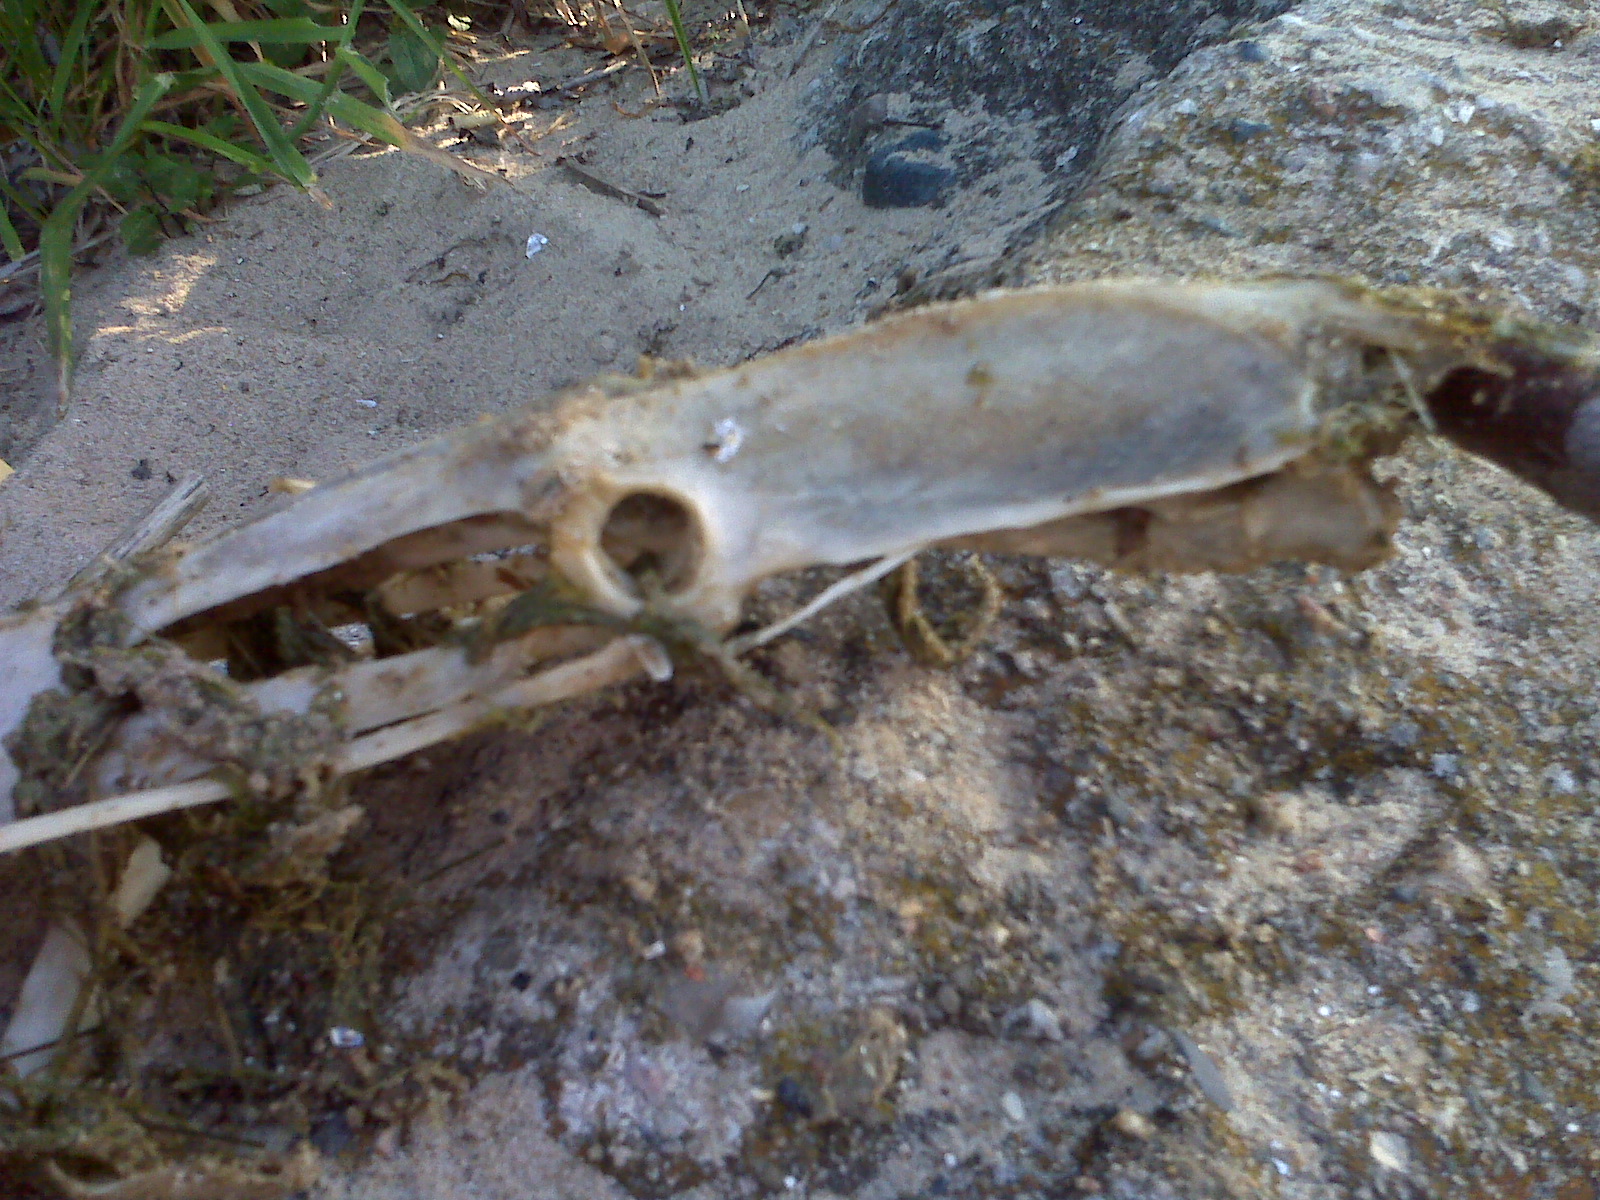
x: 27, y: 667
x: 375, y: 692
x: 61, y: 969
x: 1005, y: 411
x: 620, y: 660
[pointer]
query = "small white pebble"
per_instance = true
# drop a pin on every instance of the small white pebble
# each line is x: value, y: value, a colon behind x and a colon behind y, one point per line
x: 1324, y: 1011
x: 345, y: 1038
x: 1283, y: 1167
x: 1562, y: 781
x: 1013, y: 1106
x: 1389, y: 1150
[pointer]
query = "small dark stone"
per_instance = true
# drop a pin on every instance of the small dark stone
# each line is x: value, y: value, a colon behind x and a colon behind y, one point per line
x: 787, y: 243
x: 1213, y: 224
x: 142, y: 471
x: 867, y: 118
x: 332, y: 1135
x: 1403, y: 735
x: 1251, y: 52
x: 1241, y: 130
x: 521, y: 980
x: 793, y: 1096
x: 1406, y: 893
x: 908, y: 173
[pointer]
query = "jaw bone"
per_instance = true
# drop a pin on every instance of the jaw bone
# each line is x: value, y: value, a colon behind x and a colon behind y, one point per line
x: 1153, y: 426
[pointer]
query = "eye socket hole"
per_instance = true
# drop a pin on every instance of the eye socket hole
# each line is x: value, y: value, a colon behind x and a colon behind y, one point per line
x: 653, y: 536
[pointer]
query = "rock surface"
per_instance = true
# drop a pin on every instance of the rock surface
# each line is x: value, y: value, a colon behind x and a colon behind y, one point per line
x: 1279, y: 885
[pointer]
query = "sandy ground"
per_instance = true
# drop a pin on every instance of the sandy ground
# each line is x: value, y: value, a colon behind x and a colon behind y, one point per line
x: 1280, y: 885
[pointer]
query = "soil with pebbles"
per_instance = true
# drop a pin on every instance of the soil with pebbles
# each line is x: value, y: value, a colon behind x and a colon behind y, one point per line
x: 1277, y: 885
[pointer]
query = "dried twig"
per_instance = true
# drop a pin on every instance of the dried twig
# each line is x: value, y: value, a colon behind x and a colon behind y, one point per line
x: 604, y: 188
x: 157, y: 527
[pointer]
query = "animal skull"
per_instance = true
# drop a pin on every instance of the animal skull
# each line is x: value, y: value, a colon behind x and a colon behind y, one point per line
x: 1144, y: 425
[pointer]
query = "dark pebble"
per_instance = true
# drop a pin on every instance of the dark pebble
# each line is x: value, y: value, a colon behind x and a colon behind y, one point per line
x: 794, y: 1097
x: 142, y: 471
x: 1403, y: 735
x: 521, y: 980
x: 1241, y: 131
x: 908, y: 173
x: 1251, y: 52
x: 332, y: 1135
x: 1214, y: 225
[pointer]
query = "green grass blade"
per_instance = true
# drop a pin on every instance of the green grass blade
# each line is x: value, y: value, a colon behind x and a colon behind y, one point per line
x: 280, y: 31
x: 344, y: 107
x: 55, y: 285
x: 351, y: 20
x: 403, y: 11
x: 55, y: 234
x: 286, y: 160
x: 23, y: 44
x: 332, y: 79
x: 248, y: 159
x: 71, y: 48
x: 681, y: 36
x: 9, y: 238
x: 23, y: 204
x: 366, y: 71
x: 376, y: 122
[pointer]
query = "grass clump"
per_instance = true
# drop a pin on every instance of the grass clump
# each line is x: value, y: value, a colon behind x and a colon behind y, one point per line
x: 131, y: 117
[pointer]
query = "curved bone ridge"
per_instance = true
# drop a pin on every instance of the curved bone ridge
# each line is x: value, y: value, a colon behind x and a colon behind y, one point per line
x: 1007, y: 411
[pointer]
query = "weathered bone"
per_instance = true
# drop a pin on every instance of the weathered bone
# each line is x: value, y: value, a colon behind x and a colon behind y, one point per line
x: 1150, y: 426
